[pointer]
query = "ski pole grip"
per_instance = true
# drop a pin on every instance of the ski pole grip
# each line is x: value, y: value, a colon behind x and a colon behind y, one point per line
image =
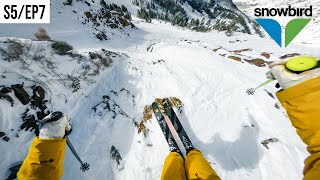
x: 55, y: 116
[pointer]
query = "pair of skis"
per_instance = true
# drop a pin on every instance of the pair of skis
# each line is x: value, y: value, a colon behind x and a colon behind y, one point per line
x: 171, y: 116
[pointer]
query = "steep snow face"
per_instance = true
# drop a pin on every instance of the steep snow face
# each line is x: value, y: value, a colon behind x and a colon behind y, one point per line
x: 309, y: 36
x: 208, y: 72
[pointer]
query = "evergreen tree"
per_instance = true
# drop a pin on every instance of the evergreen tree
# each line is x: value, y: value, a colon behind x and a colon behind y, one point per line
x: 143, y: 13
x: 103, y: 4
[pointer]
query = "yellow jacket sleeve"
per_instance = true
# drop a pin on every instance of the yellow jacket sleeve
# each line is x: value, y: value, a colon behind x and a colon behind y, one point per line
x: 302, y: 103
x: 44, y: 161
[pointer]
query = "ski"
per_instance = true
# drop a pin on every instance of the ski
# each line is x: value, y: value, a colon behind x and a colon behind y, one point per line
x: 165, y: 129
x: 177, y: 125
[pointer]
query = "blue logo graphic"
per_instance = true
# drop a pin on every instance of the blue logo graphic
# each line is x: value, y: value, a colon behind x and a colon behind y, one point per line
x: 292, y: 29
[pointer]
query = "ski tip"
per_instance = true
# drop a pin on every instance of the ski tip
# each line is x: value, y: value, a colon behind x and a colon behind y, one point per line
x: 155, y: 105
x: 165, y: 103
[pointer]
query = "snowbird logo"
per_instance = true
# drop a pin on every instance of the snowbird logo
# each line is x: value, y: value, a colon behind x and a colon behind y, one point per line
x: 292, y: 29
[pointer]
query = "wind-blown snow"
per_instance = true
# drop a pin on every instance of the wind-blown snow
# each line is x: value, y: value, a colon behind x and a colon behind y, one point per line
x: 222, y: 121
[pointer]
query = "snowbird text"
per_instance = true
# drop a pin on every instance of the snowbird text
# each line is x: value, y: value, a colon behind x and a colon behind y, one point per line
x: 289, y: 11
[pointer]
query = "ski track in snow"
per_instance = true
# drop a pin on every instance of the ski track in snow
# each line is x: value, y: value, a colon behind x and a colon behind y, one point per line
x: 220, y: 119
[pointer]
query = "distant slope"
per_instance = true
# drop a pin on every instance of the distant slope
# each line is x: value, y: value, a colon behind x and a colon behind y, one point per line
x: 199, y: 15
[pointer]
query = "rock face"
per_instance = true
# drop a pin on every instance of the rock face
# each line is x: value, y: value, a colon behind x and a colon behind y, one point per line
x: 257, y: 61
x: 110, y: 15
x: 6, y: 97
x: 21, y: 94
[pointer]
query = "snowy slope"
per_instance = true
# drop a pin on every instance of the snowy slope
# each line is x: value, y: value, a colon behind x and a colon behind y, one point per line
x: 222, y: 121
x: 199, y: 15
x: 308, y: 36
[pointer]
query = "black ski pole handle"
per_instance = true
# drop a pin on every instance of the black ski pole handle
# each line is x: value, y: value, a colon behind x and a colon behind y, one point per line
x: 55, y: 116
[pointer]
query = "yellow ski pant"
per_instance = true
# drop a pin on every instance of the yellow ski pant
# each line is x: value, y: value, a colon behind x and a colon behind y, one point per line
x: 194, y: 167
x: 44, y: 161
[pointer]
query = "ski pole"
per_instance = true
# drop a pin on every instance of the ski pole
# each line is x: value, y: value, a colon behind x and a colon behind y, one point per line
x: 252, y: 90
x: 55, y: 117
x: 295, y: 65
x: 84, y: 166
